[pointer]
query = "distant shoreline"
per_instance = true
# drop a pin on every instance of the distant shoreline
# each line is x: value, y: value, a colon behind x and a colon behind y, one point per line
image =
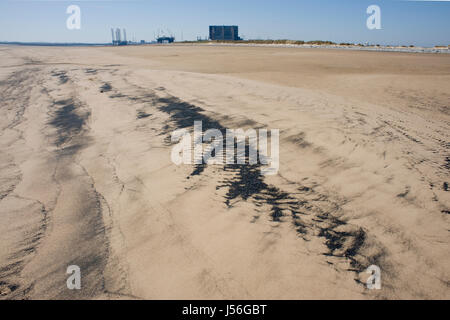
x: 277, y: 44
x: 377, y: 48
x: 55, y: 44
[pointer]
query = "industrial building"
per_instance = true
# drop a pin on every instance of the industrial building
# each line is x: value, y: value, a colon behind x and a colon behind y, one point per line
x: 224, y: 33
x: 165, y: 39
x: 117, y: 37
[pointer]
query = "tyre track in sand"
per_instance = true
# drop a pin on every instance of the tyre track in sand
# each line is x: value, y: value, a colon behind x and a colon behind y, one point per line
x: 72, y: 230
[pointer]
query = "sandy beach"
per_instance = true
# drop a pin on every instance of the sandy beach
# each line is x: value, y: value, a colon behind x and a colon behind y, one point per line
x: 86, y: 176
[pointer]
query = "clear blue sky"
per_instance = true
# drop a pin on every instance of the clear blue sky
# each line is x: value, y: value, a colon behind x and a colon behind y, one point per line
x: 403, y: 22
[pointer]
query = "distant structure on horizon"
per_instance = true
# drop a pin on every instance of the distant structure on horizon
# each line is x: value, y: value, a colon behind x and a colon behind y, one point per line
x: 165, y: 39
x: 230, y: 33
x: 117, y: 37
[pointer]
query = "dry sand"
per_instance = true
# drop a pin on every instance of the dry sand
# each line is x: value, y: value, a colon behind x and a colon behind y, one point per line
x: 87, y: 179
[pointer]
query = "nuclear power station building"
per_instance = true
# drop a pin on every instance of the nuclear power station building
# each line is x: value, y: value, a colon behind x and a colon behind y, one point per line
x: 224, y: 33
x: 165, y: 39
x: 117, y: 39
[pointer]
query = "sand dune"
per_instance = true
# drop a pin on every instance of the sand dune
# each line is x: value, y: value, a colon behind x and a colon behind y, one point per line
x: 87, y: 179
